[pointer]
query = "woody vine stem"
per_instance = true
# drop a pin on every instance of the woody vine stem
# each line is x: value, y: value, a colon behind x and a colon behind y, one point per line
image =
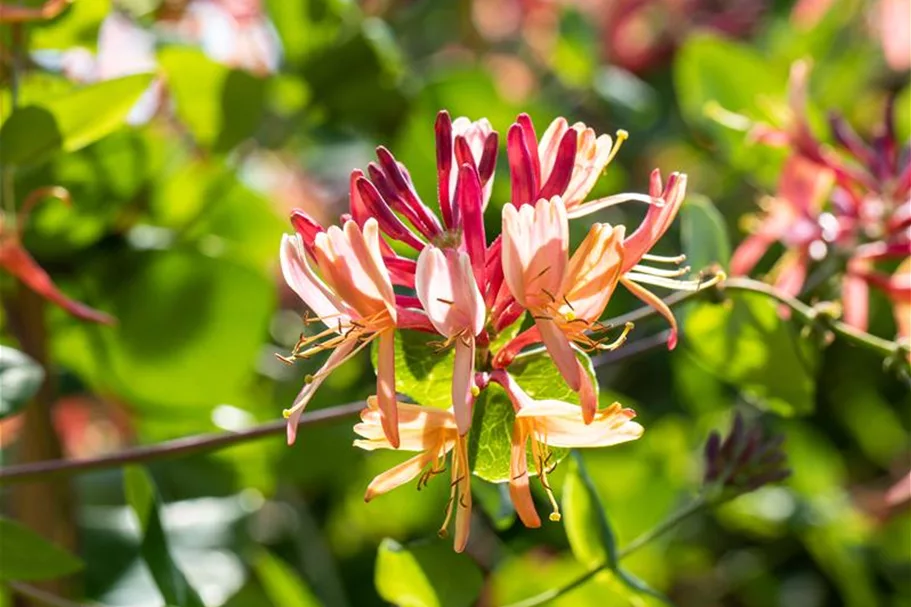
x: 816, y: 318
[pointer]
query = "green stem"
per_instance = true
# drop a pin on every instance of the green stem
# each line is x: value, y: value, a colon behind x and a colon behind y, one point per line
x: 810, y: 315
x: 658, y: 530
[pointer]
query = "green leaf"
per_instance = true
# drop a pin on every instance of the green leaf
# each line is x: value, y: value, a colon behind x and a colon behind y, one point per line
x: 220, y: 106
x: 426, y: 575
x: 490, y: 439
x: 422, y: 372
x: 281, y: 583
x: 20, y: 378
x: 25, y: 555
x: 711, y: 71
x: 588, y: 530
x: 142, y: 497
x: 494, y: 500
x: 69, y: 122
x: 704, y: 234
x: 191, y: 350
x: 745, y: 342
x: 374, y: 70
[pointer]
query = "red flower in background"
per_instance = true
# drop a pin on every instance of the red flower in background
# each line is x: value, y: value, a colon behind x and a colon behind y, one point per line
x: 854, y: 199
x: 15, y: 260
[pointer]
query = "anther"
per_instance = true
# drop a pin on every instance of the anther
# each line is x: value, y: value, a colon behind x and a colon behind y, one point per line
x: 286, y: 413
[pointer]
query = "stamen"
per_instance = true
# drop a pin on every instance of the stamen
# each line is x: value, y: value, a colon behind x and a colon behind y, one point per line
x: 445, y: 301
x: 668, y: 283
x: 285, y: 359
x: 664, y: 258
x: 663, y: 273
x: 286, y: 413
x: 622, y: 136
x: 549, y: 295
x: 540, y: 464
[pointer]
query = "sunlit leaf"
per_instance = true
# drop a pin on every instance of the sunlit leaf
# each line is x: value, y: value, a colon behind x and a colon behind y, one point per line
x: 745, y: 342
x: 25, y: 555
x: 426, y: 575
x: 69, y: 122
x: 711, y: 71
x: 221, y: 106
x: 142, y: 496
x: 492, y: 424
x: 20, y: 378
x: 281, y: 583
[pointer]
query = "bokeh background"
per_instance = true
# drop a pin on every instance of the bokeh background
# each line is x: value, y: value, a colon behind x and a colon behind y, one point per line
x: 260, y: 107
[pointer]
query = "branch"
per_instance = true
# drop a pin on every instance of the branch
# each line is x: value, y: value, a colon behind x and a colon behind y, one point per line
x: 808, y: 314
x: 811, y: 316
x: 174, y: 448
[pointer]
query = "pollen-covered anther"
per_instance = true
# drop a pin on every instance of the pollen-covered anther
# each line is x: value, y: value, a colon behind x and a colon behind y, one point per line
x: 622, y: 136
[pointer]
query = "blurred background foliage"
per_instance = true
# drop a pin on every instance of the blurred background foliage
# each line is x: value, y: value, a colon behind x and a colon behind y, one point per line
x: 186, y: 131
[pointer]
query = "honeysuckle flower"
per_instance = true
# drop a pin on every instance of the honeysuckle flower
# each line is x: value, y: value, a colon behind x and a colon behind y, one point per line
x: 15, y: 260
x: 449, y: 294
x: 794, y: 218
x: 852, y: 200
x: 554, y: 423
x: 897, y: 286
x: 638, y: 244
x: 352, y: 295
x: 432, y: 433
x: 565, y: 296
x: 567, y: 162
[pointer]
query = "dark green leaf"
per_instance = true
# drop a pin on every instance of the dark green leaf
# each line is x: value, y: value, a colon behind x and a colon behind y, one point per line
x: 69, y: 122
x: 374, y: 70
x: 588, y: 529
x: 745, y: 341
x: 426, y: 575
x: 494, y: 500
x: 20, y: 378
x: 704, y: 234
x: 143, y: 499
x: 25, y: 555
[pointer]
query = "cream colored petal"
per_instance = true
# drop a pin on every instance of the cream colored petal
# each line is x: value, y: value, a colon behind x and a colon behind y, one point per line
x: 399, y: 475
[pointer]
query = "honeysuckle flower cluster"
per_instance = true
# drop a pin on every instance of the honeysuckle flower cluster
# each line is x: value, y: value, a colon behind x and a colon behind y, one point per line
x: 853, y: 201
x: 467, y: 289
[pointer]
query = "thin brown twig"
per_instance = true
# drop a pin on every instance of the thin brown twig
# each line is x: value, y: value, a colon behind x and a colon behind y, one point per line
x: 168, y: 449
